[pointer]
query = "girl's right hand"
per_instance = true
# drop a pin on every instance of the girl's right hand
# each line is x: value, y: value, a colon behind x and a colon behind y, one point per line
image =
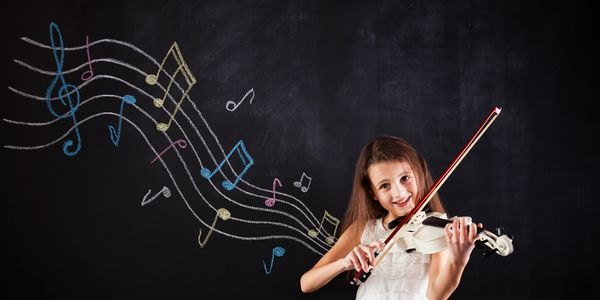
x: 362, y: 257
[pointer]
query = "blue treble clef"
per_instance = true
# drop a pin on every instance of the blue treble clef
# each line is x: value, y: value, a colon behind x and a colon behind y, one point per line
x: 63, y: 91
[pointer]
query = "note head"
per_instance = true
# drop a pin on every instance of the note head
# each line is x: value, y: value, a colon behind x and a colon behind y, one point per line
x: 312, y: 233
x: 304, y: 189
x: 151, y: 79
x: 129, y: 99
x: 230, y: 103
x: 158, y: 102
x: 227, y: 185
x: 205, y: 173
x: 278, y: 251
x: 270, y: 202
x: 296, y: 184
x: 329, y: 240
x: 162, y: 127
x: 224, y: 214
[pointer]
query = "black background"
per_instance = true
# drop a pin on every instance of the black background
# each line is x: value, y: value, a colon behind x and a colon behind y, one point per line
x: 328, y: 77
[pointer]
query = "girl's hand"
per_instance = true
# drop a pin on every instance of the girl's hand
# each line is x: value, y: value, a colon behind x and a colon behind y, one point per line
x: 461, y: 240
x: 362, y: 257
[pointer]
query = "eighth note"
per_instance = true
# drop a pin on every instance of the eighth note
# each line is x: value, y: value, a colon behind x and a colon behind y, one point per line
x: 332, y: 220
x: 271, y: 201
x: 299, y: 183
x: 277, y: 251
x: 115, y: 135
x: 222, y: 213
x: 89, y: 73
x: 246, y: 160
x: 184, y: 70
x: 165, y: 191
x: 181, y: 143
x: 234, y: 106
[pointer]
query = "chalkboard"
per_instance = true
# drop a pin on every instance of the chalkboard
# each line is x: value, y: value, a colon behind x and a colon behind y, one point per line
x: 204, y: 149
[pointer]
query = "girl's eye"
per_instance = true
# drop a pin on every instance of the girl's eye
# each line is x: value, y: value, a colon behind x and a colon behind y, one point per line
x: 405, y: 178
x: 384, y: 186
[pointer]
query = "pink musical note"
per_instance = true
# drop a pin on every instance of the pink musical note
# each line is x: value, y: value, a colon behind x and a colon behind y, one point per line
x: 181, y: 143
x: 271, y: 201
x: 90, y: 73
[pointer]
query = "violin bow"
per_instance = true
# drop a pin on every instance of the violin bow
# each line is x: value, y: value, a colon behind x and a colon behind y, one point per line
x: 391, y: 240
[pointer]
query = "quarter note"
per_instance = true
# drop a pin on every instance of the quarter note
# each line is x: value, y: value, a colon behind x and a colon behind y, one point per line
x: 231, y: 106
x: 89, y: 73
x: 277, y: 252
x: 181, y: 143
x: 222, y: 213
x: 271, y: 201
x: 330, y: 219
x: 165, y: 191
x: 184, y: 70
x: 299, y: 183
x: 115, y: 135
x: 247, y: 160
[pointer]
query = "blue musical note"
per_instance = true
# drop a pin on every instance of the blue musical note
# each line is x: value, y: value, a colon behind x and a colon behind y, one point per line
x: 277, y: 251
x: 115, y: 135
x: 63, y: 91
x: 248, y: 161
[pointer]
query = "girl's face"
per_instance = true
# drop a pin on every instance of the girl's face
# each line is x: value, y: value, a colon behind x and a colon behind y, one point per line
x: 394, y: 186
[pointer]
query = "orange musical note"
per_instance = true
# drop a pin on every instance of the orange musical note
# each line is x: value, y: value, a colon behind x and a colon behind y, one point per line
x: 332, y: 220
x: 222, y: 213
x: 182, y: 69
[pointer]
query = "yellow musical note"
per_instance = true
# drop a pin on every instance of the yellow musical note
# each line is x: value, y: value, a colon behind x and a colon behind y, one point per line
x: 184, y: 70
x: 222, y: 213
x: 332, y: 220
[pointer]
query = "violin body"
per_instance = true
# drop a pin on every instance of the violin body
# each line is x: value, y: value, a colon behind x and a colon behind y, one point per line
x: 425, y: 234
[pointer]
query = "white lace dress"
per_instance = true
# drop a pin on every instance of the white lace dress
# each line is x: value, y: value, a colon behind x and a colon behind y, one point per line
x: 400, y: 276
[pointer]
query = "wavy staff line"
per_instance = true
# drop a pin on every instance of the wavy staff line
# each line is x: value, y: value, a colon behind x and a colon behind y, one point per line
x: 173, y: 100
x: 75, y: 69
x: 185, y: 166
x: 140, y: 51
x: 177, y: 186
x: 180, y: 158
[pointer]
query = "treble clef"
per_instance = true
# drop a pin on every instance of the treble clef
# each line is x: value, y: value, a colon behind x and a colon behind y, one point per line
x: 63, y: 91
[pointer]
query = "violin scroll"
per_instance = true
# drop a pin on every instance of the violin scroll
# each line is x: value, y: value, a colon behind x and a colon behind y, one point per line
x: 491, y: 243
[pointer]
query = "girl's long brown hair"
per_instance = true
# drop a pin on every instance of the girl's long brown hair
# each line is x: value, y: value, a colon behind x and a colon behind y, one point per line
x: 362, y: 206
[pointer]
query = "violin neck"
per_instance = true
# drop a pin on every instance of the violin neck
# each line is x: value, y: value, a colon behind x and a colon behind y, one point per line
x: 441, y: 223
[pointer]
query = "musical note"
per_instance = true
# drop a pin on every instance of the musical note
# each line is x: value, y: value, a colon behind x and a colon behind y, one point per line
x: 222, y: 213
x: 63, y: 91
x: 299, y: 183
x: 271, y: 201
x: 90, y: 73
x: 332, y: 220
x: 165, y: 191
x: 277, y: 251
x: 251, y: 91
x: 115, y: 135
x: 181, y: 143
x: 182, y: 69
x: 248, y: 161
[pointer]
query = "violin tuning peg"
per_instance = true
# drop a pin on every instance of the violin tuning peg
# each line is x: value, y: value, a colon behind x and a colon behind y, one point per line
x: 500, y: 230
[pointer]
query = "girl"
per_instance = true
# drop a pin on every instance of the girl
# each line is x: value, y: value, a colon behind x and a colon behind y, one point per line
x: 389, y: 180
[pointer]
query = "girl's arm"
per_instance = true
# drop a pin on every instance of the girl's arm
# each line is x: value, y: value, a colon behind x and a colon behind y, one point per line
x: 447, y: 266
x: 346, y: 254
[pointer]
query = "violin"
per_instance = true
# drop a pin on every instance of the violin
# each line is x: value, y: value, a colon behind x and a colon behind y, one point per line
x: 425, y: 234
x: 494, y: 243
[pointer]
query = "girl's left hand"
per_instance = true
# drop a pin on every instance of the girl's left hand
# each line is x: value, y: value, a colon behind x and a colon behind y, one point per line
x: 461, y: 240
